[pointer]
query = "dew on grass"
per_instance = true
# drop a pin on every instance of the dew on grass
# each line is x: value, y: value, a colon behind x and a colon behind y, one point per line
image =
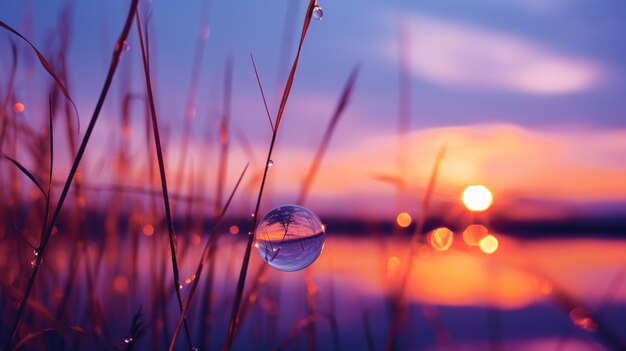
x: 318, y: 13
x: 128, y: 340
x: 270, y: 163
x: 36, y: 261
x: 289, y: 238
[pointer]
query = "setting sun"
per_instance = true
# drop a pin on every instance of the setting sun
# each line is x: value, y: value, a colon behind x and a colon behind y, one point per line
x: 477, y: 198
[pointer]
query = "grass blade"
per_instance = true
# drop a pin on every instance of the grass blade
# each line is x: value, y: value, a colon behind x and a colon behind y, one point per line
x: 399, y: 303
x: 258, y: 80
x: 46, y: 66
x: 341, y: 106
x: 28, y: 174
x: 92, y: 123
x: 166, y: 200
x: 232, y: 328
x: 206, y: 253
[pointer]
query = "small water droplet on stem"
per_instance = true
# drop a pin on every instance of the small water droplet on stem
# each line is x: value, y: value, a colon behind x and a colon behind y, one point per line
x: 318, y: 13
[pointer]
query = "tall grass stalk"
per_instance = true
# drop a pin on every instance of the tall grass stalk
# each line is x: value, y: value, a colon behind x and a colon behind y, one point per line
x: 399, y: 303
x: 4, y: 116
x: 345, y: 96
x: 159, y: 152
x: 209, y: 250
x: 81, y: 150
x: 246, y: 259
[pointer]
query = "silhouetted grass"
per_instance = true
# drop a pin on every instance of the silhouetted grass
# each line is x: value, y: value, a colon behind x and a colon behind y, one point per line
x: 232, y: 328
x: 49, y: 227
x: 166, y: 199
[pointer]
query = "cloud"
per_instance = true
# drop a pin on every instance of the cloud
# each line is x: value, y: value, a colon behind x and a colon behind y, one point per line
x: 465, y: 56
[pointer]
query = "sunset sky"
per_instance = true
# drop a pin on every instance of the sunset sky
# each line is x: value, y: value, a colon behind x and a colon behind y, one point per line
x: 528, y: 95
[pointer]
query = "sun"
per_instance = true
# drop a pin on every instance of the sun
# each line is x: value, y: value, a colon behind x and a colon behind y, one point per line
x: 477, y: 198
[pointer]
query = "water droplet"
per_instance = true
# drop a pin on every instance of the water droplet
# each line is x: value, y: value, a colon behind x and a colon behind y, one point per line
x: 194, y: 348
x: 318, y: 13
x: 270, y: 163
x: 249, y: 233
x: 36, y: 252
x: 128, y: 340
x: 125, y: 46
x: 36, y: 262
x: 180, y: 286
x: 289, y: 238
x: 252, y: 215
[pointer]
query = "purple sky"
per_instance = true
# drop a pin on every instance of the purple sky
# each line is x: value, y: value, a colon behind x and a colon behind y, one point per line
x: 552, y: 72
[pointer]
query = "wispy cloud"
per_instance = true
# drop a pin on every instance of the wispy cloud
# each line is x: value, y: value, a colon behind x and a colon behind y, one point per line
x: 461, y: 55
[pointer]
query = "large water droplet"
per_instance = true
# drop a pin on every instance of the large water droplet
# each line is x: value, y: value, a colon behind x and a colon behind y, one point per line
x: 289, y: 238
x: 128, y: 340
x: 35, y: 262
x: 318, y: 13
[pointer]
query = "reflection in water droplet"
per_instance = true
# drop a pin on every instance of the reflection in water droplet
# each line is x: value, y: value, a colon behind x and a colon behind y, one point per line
x: 270, y: 163
x: 318, y: 13
x: 128, y: 340
x: 36, y: 262
x: 289, y: 238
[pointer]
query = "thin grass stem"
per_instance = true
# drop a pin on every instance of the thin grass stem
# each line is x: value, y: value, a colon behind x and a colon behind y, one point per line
x: 166, y: 200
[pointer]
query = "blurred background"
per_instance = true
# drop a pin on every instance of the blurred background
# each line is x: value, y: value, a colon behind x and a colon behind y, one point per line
x: 526, y: 97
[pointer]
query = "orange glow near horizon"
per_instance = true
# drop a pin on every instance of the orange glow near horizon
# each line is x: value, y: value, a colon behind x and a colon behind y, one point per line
x: 393, y: 265
x: 404, y: 219
x: 474, y: 233
x: 489, y: 244
x: 477, y: 198
x: 441, y: 238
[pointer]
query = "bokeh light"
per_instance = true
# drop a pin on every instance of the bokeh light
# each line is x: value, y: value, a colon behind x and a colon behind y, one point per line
x: 474, y: 233
x: 489, y: 244
x: 404, y: 219
x: 581, y: 318
x: 18, y: 107
x: 148, y: 230
x: 441, y: 238
x: 234, y: 230
x: 477, y: 198
x: 120, y: 284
